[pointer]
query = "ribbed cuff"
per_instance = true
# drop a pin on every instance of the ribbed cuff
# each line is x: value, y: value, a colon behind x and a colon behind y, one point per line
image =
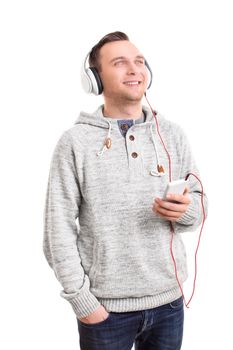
x: 189, y: 217
x: 83, y: 302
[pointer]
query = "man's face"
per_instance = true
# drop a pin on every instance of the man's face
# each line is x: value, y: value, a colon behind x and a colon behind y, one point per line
x: 123, y: 71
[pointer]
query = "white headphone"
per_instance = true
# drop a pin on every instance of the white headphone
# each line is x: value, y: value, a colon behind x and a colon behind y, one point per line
x: 91, y: 81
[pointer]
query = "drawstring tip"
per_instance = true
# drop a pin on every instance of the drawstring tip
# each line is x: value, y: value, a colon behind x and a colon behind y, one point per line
x: 160, y: 168
x: 108, y: 142
x: 107, y: 145
x: 156, y: 173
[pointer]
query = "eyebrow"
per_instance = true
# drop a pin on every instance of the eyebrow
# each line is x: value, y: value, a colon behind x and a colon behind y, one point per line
x: 123, y: 57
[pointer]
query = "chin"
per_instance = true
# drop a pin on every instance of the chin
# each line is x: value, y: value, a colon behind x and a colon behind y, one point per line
x: 134, y: 95
x: 131, y: 97
x: 125, y: 96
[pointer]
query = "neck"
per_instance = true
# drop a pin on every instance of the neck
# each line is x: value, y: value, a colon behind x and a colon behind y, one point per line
x: 126, y: 111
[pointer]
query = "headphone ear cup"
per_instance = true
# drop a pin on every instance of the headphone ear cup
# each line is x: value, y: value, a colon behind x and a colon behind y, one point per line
x: 150, y: 74
x: 97, y: 84
x: 91, y: 81
x: 86, y: 81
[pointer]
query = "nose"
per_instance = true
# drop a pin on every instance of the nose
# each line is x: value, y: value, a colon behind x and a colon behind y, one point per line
x: 132, y: 68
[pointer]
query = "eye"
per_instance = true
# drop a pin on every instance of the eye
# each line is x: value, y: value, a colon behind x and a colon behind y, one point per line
x: 140, y: 61
x: 118, y: 63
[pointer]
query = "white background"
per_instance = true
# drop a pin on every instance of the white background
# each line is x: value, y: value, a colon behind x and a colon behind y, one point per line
x: 188, y: 45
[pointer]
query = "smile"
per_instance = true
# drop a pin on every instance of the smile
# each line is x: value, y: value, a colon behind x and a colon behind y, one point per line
x: 132, y: 83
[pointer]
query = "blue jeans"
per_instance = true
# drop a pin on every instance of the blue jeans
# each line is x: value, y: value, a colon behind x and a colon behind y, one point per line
x: 160, y: 328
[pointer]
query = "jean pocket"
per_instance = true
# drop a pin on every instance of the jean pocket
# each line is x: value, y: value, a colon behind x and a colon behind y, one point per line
x: 95, y: 324
x: 177, y: 303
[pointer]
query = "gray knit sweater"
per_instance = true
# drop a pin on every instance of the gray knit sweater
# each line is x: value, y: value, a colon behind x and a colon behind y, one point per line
x: 101, y: 237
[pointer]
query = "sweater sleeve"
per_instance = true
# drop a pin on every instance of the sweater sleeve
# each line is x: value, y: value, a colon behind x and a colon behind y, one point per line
x: 63, y: 199
x: 193, y: 217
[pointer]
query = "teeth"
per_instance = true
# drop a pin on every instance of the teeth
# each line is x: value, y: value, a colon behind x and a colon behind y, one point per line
x: 132, y: 83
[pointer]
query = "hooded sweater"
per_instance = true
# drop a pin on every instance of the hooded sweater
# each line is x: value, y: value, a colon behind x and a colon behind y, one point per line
x: 102, y: 239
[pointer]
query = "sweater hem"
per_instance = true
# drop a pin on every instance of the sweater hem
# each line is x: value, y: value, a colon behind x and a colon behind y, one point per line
x: 140, y: 303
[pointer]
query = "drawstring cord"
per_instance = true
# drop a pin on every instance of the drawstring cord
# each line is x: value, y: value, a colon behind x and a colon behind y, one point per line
x: 160, y: 170
x: 108, y: 141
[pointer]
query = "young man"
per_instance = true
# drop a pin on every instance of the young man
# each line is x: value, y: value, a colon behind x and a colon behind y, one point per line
x: 110, y: 171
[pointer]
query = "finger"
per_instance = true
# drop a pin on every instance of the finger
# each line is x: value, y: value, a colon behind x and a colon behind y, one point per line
x: 169, y: 218
x: 167, y: 213
x: 179, y: 207
x: 181, y: 198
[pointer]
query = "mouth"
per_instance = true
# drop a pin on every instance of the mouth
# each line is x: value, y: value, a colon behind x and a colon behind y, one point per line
x: 132, y: 82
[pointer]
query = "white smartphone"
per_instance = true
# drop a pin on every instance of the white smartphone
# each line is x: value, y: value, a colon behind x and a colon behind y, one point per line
x: 175, y: 187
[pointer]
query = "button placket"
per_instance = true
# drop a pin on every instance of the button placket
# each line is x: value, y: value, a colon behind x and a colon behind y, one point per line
x: 131, y: 137
x: 134, y: 155
x: 124, y: 126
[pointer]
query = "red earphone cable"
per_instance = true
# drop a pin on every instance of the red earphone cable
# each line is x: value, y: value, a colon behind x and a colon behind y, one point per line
x: 171, y: 226
x: 157, y: 126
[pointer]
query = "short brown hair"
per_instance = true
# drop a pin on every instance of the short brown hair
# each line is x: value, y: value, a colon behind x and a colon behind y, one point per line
x: 108, y: 38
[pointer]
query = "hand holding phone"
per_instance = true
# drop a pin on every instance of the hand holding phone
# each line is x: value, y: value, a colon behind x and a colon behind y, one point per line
x: 171, y: 209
